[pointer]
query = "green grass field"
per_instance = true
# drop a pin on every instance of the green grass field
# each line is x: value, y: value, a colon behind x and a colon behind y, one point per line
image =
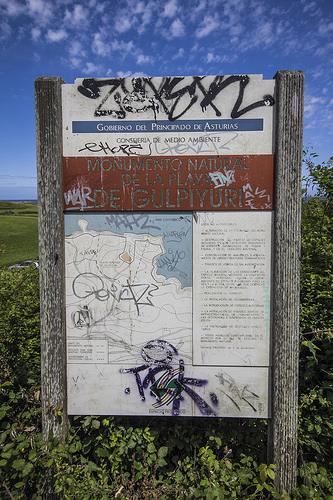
x: 18, y: 232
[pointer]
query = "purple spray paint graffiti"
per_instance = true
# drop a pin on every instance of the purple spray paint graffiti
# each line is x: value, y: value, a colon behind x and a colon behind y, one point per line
x: 169, y: 387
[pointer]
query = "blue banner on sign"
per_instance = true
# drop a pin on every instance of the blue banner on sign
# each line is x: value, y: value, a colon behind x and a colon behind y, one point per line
x: 147, y: 126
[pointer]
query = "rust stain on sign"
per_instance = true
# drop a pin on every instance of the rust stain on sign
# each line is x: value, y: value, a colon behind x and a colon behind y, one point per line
x: 208, y: 183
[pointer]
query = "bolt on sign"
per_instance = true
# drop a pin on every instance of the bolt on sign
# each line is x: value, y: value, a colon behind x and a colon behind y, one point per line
x: 168, y: 198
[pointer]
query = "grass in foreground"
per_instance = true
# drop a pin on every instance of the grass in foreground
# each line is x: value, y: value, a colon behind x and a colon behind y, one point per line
x: 18, y: 232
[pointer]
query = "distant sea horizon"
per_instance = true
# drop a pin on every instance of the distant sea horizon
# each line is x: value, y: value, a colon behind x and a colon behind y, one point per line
x: 20, y: 201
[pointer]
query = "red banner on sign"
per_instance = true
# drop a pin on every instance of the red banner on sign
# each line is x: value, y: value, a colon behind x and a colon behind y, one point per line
x: 168, y: 183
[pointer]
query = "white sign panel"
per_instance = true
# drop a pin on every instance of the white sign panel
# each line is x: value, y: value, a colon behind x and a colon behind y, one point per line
x: 168, y: 187
x: 168, y: 116
x: 137, y: 344
x: 231, y: 303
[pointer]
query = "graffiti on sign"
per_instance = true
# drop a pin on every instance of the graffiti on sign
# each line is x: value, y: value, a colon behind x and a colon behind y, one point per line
x: 174, y: 95
x: 169, y: 183
x: 168, y: 199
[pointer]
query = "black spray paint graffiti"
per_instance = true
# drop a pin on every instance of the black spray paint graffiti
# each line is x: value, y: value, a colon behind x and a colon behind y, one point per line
x: 169, y: 386
x: 237, y: 394
x: 167, y: 95
x: 82, y: 317
x: 212, y: 144
x: 139, y: 294
x: 126, y: 149
x: 89, y: 285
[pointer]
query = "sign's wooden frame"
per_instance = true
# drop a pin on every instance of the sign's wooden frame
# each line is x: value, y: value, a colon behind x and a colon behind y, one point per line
x: 286, y: 259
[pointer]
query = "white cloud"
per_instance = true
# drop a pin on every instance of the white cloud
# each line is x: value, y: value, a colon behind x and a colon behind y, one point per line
x: 122, y: 23
x: 236, y: 30
x: 144, y: 59
x: 138, y: 7
x: 211, y: 57
x: 76, y: 53
x: 257, y: 8
x: 123, y: 74
x: 98, y: 6
x: 170, y: 8
x: 78, y: 17
x: 195, y: 11
x: 5, y: 30
x: 91, y: 69
x: 323, y: 50
x: 309, y: 6
x: 177, y: 29
x: 145, y: 10
x: 35, y: 34
x: 318, y: 72
x: 229, y: 59
x: 76, y: 49
x: 291, y: 45
x: 56, y: 35
x: 264, y: 34
x: 311, y: 104
x: 179, y: 54
x: 75, y: 62
x: 12, y: 8
x: 99, y: 45
x: 122, y: 46
x: 208, y: 25
x: 40, y: 10
x: 138, y: 74
x: 325, y: 27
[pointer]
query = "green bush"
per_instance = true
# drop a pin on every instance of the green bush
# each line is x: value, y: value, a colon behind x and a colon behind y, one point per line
x: 317, y: 248
x: 316, y: 399
x: 19, y: 326
x: 316, y: 355
x: 141, y: 458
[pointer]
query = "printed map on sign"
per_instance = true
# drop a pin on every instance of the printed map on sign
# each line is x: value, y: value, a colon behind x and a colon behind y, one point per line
x: 175, y: 229
x: 129, y: 321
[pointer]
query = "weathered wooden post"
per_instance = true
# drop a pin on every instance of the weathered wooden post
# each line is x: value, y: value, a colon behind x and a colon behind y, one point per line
x: 286, y: 283
x: 51, y: 255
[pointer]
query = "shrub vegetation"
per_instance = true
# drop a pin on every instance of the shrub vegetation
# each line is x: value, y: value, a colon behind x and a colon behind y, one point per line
x: 140, y: 458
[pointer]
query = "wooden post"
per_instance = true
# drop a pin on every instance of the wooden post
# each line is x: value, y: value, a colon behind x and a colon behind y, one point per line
x: 51, y: 256
x: 287, y: 238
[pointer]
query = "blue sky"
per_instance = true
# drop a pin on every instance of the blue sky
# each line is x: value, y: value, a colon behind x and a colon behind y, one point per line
x: 155, y: 37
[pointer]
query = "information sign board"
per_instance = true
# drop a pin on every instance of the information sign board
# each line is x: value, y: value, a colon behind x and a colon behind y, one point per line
x: 168, y: 196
